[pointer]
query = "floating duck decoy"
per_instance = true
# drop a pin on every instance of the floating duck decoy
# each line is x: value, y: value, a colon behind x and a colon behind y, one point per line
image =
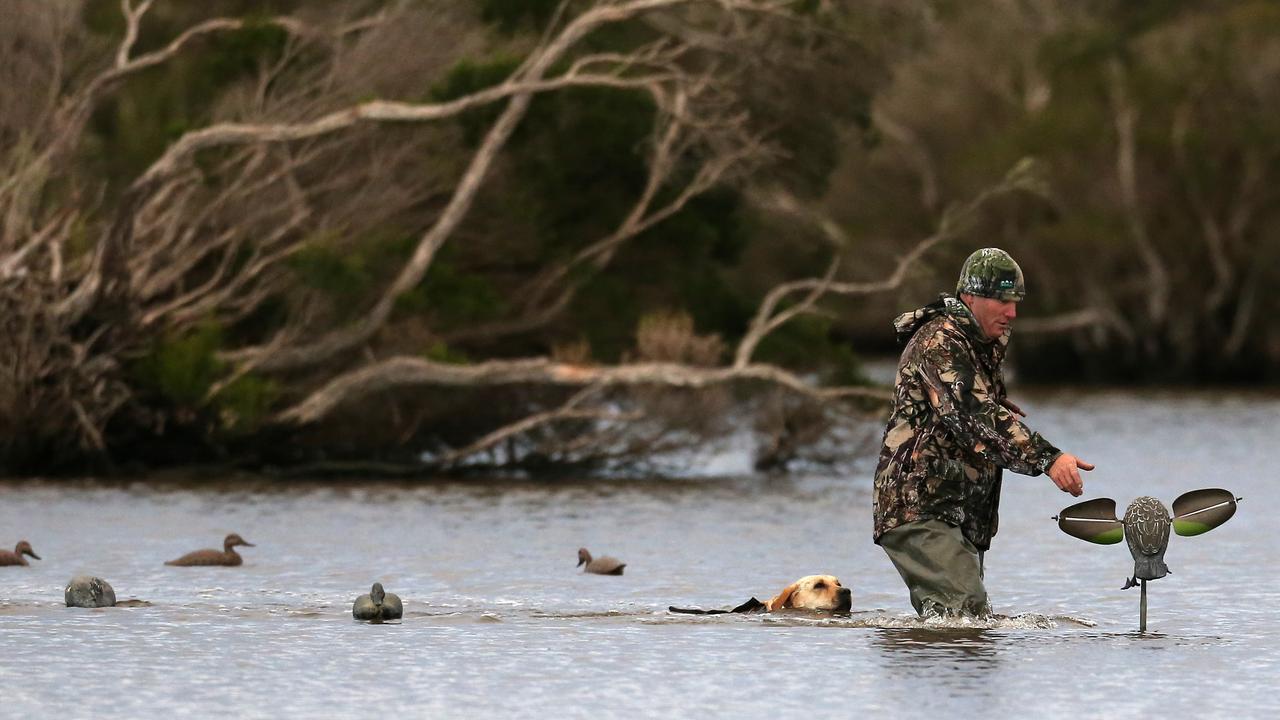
x: 599, y: 566
x: 1145, y: 528
x: 377, y: 606
x: 15, y: 557
x: 89, y: 592
x: 225, y: 556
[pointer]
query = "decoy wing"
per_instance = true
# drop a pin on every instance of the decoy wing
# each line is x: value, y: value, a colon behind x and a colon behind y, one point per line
x: 1199, y: 511
x: 1092, y: 520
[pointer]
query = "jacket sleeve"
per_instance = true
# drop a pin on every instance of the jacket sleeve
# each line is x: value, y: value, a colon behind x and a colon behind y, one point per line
x: 979, y: 424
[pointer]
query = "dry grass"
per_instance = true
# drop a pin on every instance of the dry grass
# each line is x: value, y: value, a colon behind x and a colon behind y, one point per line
x: 574, y: 352
x: 670, y: 337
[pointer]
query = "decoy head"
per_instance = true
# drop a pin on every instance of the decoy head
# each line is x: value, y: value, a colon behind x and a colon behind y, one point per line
x: 24, y: 548
x: 377, y: 594
x: 234, y: 540
x: 584, y: 557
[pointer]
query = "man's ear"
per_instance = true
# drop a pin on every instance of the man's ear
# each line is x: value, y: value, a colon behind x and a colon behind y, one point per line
x: 783, y: 600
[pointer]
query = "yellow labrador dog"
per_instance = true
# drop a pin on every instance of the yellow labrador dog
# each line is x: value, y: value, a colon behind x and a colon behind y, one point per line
x: 811, y: 592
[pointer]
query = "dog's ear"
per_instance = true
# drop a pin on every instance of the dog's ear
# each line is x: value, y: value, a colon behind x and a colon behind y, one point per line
x: 783, y: 600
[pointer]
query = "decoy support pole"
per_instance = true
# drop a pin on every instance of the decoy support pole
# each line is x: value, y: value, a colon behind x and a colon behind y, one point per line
x: 1142, y: 619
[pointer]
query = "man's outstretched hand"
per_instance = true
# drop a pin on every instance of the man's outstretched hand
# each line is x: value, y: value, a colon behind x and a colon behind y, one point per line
x: 1064, y: 473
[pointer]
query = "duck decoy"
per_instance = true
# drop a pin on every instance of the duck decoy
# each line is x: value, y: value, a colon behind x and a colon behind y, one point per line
x: 89, y: 592
x: 1145, y: 528
x: 15, y: 557
x: 377, y: 606
x: 599, y: 566
x: 226, y: 556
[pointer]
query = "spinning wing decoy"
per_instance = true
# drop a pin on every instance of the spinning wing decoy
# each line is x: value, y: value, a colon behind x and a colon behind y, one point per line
x: 1146, y: 528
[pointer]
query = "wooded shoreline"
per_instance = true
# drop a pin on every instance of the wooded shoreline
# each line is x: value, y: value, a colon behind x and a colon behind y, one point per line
x: 581, y: 234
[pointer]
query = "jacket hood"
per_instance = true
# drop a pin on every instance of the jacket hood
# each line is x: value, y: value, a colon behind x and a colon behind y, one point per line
x: 991, y: 352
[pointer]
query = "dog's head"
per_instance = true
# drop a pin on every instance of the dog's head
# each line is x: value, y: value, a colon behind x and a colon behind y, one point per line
x: 814, y: 592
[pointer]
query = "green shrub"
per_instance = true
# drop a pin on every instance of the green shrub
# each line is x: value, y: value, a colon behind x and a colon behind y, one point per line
x: 806, y: 344
x: 452, y: 298
x: 244, y: 403
x: 441, y: 352
x: 181, y: 368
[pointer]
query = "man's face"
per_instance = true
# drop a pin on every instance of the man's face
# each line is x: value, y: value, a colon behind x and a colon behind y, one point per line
x: 994, y: 316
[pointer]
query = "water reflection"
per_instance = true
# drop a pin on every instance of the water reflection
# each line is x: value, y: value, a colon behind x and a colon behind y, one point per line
x: 912, y: 650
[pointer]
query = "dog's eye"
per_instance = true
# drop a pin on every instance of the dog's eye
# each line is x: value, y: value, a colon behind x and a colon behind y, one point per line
x: 819, y: 586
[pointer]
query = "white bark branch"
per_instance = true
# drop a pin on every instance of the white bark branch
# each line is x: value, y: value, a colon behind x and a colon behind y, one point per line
x: 520, y: 87
x: 132, y: 18
x: 766, y: 322
x: 1211, y: 229
x: 399, y: 372
x: 1127, y: 175
x: 70, y: 122
x: 1022, y: 177
x: 539, y: 311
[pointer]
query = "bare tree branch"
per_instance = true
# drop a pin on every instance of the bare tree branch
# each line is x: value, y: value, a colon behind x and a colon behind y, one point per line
x: 402, y: 371
x: 917, y: 153
x: 540, y: 311
x: 766, y: 322
x: 520, y: 87
x: 1211, y: 229
x: 132, y: 18
x: 1127, y: 175
x: 1023, y: 177
x: 77, y: 109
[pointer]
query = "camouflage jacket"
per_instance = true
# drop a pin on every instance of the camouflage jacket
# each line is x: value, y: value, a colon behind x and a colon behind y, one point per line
x: 949, y: 435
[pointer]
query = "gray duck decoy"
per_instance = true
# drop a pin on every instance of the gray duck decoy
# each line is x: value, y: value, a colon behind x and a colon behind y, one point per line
x: 15, y: 557
x: 89, y: 592
x: 226, y: 556
x: 1146, y: 531
x: 1145, y: 528
x: 377, y: 606
x: 599, y: 566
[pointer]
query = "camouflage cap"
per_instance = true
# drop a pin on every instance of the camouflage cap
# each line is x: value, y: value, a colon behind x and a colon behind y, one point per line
x: 991, y: 273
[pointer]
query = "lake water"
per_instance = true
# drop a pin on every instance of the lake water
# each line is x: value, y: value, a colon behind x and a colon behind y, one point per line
x: 499, y: 622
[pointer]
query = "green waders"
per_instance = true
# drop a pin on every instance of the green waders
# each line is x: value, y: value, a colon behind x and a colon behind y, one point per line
x: 941, y: 568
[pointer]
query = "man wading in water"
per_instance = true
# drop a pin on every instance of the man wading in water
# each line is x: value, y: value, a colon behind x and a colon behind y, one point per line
x: 950, y: 434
